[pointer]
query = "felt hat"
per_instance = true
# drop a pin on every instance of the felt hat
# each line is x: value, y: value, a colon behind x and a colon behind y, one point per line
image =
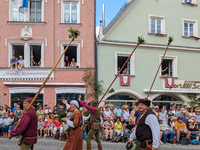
x: 160, y: 118
x: 190, y: 120
x: 45, y: 120
x: 144, y: 101
x: 29, y: 100
x: 126, y: 106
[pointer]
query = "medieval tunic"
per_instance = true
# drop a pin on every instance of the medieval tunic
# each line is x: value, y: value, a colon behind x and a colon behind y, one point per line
x: 95, y: 120
x: 147, y: 128
x: 27, y: 128
x: 75, y: 139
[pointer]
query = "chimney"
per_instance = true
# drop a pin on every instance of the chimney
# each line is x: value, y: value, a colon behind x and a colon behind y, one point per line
x: 103, y: 24
x: 129, y: 1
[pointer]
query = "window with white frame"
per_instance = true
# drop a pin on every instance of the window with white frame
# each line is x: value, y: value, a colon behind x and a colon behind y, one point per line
x: 72, y: 56
x: 120, y: 59
x: 157, y: 25
x: 31, y: 54
x: 33, y: 13
x: 17, y: 12
x: 169, y: 66
x: 35, y: 10
x: 190, y: 28
x: 70, y: 11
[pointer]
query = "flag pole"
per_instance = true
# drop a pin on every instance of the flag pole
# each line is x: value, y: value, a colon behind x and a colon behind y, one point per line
x: 170, y: 40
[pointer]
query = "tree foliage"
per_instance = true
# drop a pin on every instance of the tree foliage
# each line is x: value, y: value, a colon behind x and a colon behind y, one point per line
x: 193, y: 99
x: 92, y: 82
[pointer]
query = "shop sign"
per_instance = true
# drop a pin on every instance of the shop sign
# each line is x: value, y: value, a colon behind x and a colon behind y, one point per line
x: 185, y: 85
x: 23, y: 74
x: 125, y: 80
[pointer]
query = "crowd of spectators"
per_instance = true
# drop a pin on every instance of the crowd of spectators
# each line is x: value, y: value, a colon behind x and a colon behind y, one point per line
x: 117, y: 122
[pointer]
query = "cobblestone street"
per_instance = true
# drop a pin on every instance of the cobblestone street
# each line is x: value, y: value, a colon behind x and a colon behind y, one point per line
x: 49, y: 144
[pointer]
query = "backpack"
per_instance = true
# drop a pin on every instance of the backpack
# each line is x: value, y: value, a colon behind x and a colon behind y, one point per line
x: 184, y: 141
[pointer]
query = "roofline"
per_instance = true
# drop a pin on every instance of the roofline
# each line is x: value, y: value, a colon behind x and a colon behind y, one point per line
x: 118, y: 17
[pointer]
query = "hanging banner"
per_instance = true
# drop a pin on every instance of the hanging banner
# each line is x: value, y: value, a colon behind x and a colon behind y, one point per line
x: 125, y: 80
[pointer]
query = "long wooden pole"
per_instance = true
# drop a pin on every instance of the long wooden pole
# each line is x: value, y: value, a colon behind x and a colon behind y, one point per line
x: 36, y: 95
x: 157, y: 71
x: 119, y: 72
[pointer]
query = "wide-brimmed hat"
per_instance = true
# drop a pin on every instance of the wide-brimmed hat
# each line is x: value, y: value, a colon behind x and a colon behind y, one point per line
x: 56, y: 116
x: 160, y: 118
x: 174, y: 118
x: 144, y: 101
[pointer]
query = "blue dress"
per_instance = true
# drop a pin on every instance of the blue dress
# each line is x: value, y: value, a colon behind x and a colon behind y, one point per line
x: 163, y: 116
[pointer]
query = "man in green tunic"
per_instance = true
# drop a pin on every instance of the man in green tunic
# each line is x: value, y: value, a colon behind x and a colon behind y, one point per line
x: 95, y: 123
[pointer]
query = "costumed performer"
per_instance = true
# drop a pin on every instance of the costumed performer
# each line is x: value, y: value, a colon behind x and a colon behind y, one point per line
x: 147, y: 130
x: 75, y: 138
x: 95, y: 123
x: 27, y: 127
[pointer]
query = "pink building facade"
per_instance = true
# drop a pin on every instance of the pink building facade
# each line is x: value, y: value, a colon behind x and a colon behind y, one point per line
x: 39, y: 34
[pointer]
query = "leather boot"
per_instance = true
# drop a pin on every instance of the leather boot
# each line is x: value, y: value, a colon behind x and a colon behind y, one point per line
x: 100, y: 147
x: 89, y: 147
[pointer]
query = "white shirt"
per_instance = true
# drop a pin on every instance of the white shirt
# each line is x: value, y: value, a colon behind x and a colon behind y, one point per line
x: 107, y: 113
x: 21, y: 61
x: 126, y: 115
x: 7, y: 121
x: 173, y: 111
x: 152, y: 121
x: 47, y: 111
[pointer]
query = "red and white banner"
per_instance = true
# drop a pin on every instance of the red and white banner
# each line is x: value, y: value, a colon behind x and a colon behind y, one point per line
x: 169, y: 82
x: 125, y: 80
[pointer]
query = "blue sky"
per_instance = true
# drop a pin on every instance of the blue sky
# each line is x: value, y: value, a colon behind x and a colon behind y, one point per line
x: 112, y: 7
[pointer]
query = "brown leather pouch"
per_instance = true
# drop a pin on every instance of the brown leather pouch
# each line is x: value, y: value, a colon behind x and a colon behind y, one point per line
x: 148, y: 146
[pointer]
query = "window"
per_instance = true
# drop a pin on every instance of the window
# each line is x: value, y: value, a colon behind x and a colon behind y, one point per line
x: 190, y: 28
x: 188, y: 1
x: 68, y: 96
x: 35, y: 11
x: 17, y: 12
x: 31, y: 54
x: 20, y: 97
x: 120, y: 59
x: 157, y: 25
x: 70, y: 11
x: 169, y: 66
x: 35, y: 55
x: 72, y: 56
x: 18, y: 50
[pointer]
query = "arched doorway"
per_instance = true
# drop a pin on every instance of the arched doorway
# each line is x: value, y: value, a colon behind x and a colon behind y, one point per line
x: 121, y: 99
x: 162, y: 100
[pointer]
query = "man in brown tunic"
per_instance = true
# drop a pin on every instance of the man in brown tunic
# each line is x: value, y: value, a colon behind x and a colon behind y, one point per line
x: 75, y: 139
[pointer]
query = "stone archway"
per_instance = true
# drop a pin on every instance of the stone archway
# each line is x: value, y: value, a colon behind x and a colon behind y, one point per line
x: 179, y: 98
x: 121, y: 91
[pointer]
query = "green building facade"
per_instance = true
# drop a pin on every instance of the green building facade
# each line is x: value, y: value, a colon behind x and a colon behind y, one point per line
x: 156, y: 20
